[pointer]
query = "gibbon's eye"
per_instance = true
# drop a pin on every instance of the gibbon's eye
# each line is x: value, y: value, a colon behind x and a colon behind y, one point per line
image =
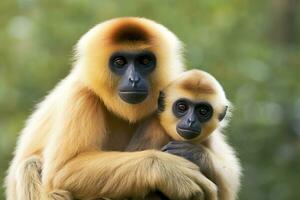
x: 145, y: 60
x: 181, y: 107
x: 205, y: 111
x: 120, y: 61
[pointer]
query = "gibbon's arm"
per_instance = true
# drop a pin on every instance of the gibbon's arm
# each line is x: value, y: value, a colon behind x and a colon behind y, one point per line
x: 226, y: 166
x: 73, y: 161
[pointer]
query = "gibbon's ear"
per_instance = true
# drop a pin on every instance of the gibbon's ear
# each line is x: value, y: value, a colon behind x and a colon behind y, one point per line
x: 161, y: 102
x: 223, y: 114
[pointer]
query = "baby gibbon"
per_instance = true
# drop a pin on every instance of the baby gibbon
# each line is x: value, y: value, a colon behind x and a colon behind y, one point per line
x: 191, y: 115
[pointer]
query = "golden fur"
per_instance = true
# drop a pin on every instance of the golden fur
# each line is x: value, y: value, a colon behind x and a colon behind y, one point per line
x: 81, y: 128
x: 195, y: 85
x: 219, y: 162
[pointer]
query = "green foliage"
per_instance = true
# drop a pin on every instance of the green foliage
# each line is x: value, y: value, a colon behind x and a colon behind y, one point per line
x: 252, y: 47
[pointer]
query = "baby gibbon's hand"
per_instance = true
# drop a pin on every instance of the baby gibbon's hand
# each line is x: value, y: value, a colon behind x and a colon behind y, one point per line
x: 192, y: 152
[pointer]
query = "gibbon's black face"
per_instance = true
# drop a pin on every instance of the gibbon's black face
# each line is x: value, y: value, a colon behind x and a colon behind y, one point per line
x: 134, y: 69
x: 191, y: 115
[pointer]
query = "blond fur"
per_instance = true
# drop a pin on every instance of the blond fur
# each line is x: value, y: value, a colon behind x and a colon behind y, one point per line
x: 195, y: 85
x: 30, y: 170
x: 222, y: 163
x: 81, y: 128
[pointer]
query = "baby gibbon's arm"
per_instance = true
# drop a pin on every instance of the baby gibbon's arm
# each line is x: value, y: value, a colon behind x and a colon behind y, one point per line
x: 216, y: 160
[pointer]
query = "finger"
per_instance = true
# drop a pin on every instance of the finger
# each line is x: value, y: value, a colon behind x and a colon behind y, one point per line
x: 168, y: 147
x: 175, y: 152
x: 198, y: 196
x: 183, y: 145
x: 174, y: 146
x: 210, y: 189
x: 164, y: 148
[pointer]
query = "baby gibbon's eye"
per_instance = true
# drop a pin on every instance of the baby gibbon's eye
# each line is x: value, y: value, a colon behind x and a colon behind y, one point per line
x: 120, y: 61
x: 205, y: 111
x: 182, y: 107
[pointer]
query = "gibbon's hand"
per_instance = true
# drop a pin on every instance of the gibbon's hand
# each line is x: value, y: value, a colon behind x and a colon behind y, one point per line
x: 191, y: 152
x: 194, y: 153
x: 179, y: 178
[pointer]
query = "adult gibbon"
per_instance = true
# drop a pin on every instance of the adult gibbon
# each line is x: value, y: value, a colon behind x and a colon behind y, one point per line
x: 191, y: 114
x: 81, y: 129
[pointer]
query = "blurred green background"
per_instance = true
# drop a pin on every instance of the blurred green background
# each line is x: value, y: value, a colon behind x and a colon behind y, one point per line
x: 252, y: 47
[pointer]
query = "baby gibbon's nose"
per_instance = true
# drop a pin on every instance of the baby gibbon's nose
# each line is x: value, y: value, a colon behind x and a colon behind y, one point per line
x: 191, y: 121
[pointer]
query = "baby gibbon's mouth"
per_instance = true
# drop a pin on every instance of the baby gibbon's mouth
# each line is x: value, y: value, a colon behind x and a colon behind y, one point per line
x: 188, y: 133
x: 133, y: 96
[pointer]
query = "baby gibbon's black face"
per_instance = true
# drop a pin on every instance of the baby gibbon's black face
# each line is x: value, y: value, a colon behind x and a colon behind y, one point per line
x: 191, y: 115
x: 134, y: 69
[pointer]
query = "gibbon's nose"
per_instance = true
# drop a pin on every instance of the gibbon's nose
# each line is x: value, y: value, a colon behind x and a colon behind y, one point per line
x: 191, y: 121
x: 133, y: 77
x: 133, y: 88
x: 134, y: 80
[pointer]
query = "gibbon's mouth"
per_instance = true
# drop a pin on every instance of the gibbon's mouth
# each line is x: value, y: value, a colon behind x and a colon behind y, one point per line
x: 133, y: 96
x: 188, y: 133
